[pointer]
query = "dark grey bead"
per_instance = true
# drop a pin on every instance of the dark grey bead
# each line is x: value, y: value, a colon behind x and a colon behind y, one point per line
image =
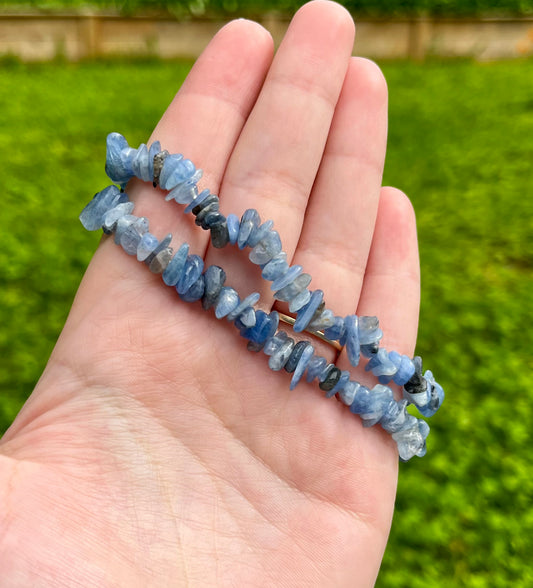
x: 159, y: 160
x: 160, y: 261
x: 215, y: 277
x: 213, y: 207
x: 370, y: 349
x: 417, y: 383
x: 195, y: 292
x: 220, y: 235
x: 163, y: 245
x: 294, y: 358
x: 331, y: 379
x: 212, y: 198
x: 212, y: 219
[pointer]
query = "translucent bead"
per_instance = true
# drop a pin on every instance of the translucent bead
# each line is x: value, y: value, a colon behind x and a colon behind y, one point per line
x: 351, y: 326
x: 249, y: 221
x: 306, y: 313
x: 301, y: 366
x: 228, y: 300
x: 233, y: 228
x: 174, y: 269
x: 266, y: 249
x: 275, y: 267
x: 250, y: 300
x: 147, y: 244
x: 191, y: 272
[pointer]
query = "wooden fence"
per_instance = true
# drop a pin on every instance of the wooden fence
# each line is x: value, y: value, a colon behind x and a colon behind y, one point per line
x: 41, y: 37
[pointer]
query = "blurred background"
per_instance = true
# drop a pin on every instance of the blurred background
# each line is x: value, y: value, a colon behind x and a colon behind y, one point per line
x: 460, y: 76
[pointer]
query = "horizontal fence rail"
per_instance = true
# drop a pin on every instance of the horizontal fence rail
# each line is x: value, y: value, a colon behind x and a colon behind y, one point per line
x: 42, y: 37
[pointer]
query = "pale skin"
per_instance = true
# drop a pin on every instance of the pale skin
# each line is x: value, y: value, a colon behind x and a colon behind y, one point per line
x: 156, y: 450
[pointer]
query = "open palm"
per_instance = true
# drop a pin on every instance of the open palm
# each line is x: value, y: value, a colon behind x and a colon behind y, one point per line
x: 157, y: 451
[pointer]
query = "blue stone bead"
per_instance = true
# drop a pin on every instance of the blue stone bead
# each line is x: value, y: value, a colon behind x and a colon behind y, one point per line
x: 198, y: 200
x: 361, y: 402
x: 406, y: 369
x: 276, y: 267
x: 112, y: 216
x: 302, y: 365
x: 131, y: 236
x: 259, y: 233
x: 174, y: 269
x: 394, y: 416
x: 294, y: 288
x: 381, y: 365
x: 351, y: 328
x: 316, y: 367
x: 265, y: 326
x: 140, y: 165
x: 186, y: 191
x: 122, y: 224
x: 347, y: 394
x: 247, y: 317
x: 155, y: 148
x: 92, y: 216
x: 380, y: 398
x: 284, y: 280
x: 170, y: 163
x: 233, y: 228
x: 300, y: 300
x: 293, y: 360
x: 195, y: 292
x: 336, y: 331
x: 116, y: 168
x: 306, y: 313
x: 250, y: 300
x: 326, y: 319
x: 266, y: 249
x: 147, y: 244
x: 396, y: 360
x: 279, y: 358
x: 249, y: 221
x: 272, y: 344
x: 228, y: 300
x: 180, y: 171
x: 193, y: 269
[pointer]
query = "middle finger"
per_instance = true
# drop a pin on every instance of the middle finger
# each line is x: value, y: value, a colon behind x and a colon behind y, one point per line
x: 274, y: 164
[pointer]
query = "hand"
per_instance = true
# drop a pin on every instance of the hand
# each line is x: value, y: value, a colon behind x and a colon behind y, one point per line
x: 155, y: 450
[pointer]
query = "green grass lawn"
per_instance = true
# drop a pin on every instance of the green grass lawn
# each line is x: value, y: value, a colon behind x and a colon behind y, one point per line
x: 461, y: 146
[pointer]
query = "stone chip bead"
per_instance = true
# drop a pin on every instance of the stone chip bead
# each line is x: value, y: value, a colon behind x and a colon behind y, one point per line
x: 174, y: 269
x: 112, y: 216
x: 306, y: 313
x: 132, y: 234
x: 146, y: 245
x: 160, y: 262
x: 294, y: 358
x: 92, y: 216
x: 119, y: 158
x: 250, y: 220
x: 228, y: 300
x: 301, y: 366
x: 266, y: 249
x: 215, y: 277
x: 193, y: 269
